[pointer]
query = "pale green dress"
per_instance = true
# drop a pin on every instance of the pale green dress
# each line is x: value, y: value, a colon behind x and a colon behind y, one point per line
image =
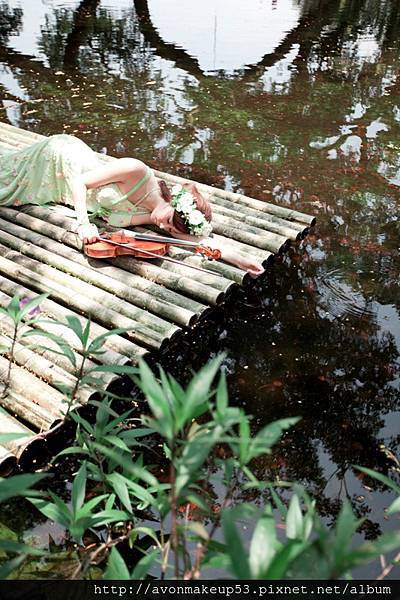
x: 42, y: 174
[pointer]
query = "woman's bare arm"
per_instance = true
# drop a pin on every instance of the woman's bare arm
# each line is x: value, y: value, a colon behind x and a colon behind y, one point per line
x: 123, y: 170
x: 228, y: 253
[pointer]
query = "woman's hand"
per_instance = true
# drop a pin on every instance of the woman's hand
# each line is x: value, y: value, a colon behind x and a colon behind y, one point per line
x: 252, y: 266
x: 87, y: 233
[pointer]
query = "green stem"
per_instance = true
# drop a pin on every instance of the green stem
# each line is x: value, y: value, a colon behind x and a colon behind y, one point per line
x: 79, y: 377
x: 10, y: 361
x: 174, y: 513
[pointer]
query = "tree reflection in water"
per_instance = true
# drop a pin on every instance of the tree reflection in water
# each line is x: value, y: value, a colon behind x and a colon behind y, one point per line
x: 314, y: 125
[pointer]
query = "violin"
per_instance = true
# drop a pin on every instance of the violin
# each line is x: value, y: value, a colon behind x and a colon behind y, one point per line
x: 111, y: 245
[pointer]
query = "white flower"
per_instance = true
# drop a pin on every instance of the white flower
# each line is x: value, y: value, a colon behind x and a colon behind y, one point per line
x: 195, y: 218
x: 176, y: 189
x: 206, y: 229
x: 185, y: 205
x: 186, y: 196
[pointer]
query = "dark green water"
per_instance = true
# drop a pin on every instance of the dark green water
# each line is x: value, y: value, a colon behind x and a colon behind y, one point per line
x: 290, y: 101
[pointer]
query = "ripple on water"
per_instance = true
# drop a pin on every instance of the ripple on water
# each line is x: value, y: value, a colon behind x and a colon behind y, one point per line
x: 338, y: 298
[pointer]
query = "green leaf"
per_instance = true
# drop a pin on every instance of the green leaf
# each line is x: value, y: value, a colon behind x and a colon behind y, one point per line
x: 76, y: 326
x: 72, y: 450
x: 195, y: 453
x: 380, y: 477
x: 65, y: 349
x: 120, y: 487
x: 106, y: 517
x: 31, y: 305
x: 283, y: 559
x: 134, y: 433
x: 198, y: 391
x: 144, y: 565
x: 264, y: 544
x: 156, y: 399
x: 199, y: 501
x: 346, y: 526
x: 294, y: 519
x: 13, y: 307
x: 85, y: 334
x: 79, y: 489
x: 235, y: 548
x: 51, y: 511
x: 198, y: 529
x: 18, y: 547
x: 9, y: 437
x: 88, y: 507
x: 370, y: 550
x: 4, y: 312
x: 244, y: 439
x: 141, y: 494
x: 19, y: 485
x: 127, y: 464
x: 146, y: 531
x: 394, y: 507
x: 269, y: 435
x: 117, y: 369
x: 278, y: 503
x: 10, y: 566
x: 116, y: 567
x: 98, y: 341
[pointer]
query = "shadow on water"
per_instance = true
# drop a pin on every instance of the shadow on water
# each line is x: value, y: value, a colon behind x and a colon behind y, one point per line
x: 312, y: 124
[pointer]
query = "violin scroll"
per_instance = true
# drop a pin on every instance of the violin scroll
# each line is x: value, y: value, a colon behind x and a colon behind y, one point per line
x: 211, y: 253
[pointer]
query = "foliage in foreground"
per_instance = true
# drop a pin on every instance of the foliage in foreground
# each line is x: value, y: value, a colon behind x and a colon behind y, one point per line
x: 196, y: 443
x: 114, y: 488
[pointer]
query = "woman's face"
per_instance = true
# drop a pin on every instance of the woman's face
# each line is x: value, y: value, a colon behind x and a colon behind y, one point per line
x: 162, y: 216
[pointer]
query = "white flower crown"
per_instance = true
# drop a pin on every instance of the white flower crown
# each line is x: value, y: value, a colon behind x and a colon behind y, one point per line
x: 184, y: 203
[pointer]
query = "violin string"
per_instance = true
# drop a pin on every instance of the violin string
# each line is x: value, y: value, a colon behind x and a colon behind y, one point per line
x: 168, y: 258
x: 162, y: 239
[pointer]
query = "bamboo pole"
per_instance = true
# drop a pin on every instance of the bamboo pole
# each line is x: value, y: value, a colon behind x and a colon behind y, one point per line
x: 116, y: 348
x: 27, y: 410
x: 36, y: 393
x: 246, y: 211
x: 22, y: 269
x: 237, y: 217
x: 24, y: 449
x: 175, y: 281
x: 82, y: 285
x: 228, y: 271
x: 245, y: 233
x: 10, y: 425
x: 46, y: 370
x: 27, y: 448
x: 265, y: 257
x: 31, y: 135
x: 8, y: 462
x: 71, y: 261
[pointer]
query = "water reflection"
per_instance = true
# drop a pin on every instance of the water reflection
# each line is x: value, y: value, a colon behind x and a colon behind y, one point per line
x: 312, y: 121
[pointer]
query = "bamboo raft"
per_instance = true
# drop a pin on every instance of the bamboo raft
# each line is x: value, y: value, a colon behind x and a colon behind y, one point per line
x: 157, y: 301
